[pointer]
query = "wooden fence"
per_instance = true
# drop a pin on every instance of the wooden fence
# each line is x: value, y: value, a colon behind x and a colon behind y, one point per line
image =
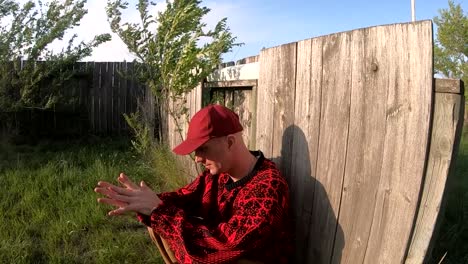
x: 112, y: 94
x: 364, y: 136
x: 98, y: 96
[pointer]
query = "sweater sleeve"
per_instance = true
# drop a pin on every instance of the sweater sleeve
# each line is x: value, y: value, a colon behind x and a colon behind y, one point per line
x: 185, y: 198
x: 257, y: 211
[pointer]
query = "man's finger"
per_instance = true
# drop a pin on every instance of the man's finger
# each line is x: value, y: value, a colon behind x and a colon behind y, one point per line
x: 105, y: 184
x: 123, y: 191
x: 105, y: 191
x: 125, y: 181
x: 112, y: 202
x: 123, y: 198
x: 121, y: 210
x: 144, y: 186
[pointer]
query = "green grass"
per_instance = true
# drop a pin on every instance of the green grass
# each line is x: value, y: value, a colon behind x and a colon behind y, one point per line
x: 453, y: 234
x: 49, y: 212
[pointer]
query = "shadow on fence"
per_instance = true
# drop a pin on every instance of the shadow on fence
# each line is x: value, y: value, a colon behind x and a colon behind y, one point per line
x: 310, y: 223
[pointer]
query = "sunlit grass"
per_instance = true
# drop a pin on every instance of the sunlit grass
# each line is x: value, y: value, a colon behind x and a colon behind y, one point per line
x: 49, y: 212
x: 453, y: 236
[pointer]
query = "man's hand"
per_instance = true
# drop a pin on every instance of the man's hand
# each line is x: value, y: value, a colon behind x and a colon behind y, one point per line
x: 131, y: 198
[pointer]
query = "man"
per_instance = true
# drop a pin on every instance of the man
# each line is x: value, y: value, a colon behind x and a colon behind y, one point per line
x: 236, y: 210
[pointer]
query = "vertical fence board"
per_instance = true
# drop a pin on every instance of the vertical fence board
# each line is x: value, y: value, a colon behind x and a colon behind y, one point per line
x: 112, y: 123
x: 130, y: 87
x: 305, y: 140
x: 408, y: 107
x: 366, y: 138
x: 116, y: 99
x: 446, y: 133
x: 241, y: 105
x: 229, y: 98
x: 109, y: 95
x: 283, y: 114
x: 276, y: 86
x: 265, y: 100
x: 104, y: 96
x: 123, y: 95
x: 95, y: 98
x: 334, y: 122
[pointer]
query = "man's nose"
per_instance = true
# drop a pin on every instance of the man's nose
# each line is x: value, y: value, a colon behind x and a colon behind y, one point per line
x: 198, y: 159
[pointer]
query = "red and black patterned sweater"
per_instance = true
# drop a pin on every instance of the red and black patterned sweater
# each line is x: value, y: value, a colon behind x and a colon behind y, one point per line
x: 216, y: 220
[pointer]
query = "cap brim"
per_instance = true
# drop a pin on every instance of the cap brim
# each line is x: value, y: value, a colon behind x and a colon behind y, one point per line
x: 188, y: 146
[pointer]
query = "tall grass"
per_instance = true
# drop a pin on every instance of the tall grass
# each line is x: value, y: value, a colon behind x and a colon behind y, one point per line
x: 49, y: 212
x: 453, y: 235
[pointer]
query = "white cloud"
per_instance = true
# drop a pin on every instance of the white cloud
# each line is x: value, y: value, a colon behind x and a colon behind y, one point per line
x: 95, y: 23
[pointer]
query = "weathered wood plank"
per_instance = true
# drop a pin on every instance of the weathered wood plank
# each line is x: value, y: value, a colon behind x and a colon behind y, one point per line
x: 217, y: 96
x: 334, y: 122
x: 283, y: 114
x: 242, y: 106
x: 448, y: 86
x: 365, y: 140
x: 274, y: 103
x: 305, y: 133
x: 265, y: 100
x: 123, y: 95
x: 229, y: 99
x: 446, y: 133
x: 247, y: 60
x: 130, y: 87
x: 85, y: 88
x: 95, y: 98
x: 105, y: 79
x: 231, y: 84
x: 112, y: 95
x: 118, y: 97
x: 253, y: 123
x: 408, y: 108
x: 198, y: 98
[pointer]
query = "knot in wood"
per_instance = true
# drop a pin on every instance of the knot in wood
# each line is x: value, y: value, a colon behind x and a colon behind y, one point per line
x: 374, y: 66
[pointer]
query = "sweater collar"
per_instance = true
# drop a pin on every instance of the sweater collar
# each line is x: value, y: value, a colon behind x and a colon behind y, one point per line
x: 230, y: 185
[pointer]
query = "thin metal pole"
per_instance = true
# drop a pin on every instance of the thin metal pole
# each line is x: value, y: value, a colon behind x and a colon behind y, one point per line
x: 413, y: 17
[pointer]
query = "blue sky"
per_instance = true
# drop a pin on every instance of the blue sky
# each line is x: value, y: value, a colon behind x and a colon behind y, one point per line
x: 268, y: 23
x: 271, y: 23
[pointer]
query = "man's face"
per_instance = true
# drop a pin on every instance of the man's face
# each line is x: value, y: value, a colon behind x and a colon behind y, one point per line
x: 214, y: 155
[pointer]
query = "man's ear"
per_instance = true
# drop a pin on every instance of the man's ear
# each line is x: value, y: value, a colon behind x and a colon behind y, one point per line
x: 231, y: 140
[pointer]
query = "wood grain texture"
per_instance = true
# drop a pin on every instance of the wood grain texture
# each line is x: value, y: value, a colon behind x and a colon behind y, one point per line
x: 448, y: 86
x: 408, y: 109
x: 332, y: 145
x: 305, y: 133
x: 283, y: 114
x: 95, y: 98
x: 446, y: 133
x: 243, y: 107
x: 233, y: 84
x: 365, y: 141
x: 265, y: 99
x: 123, y: 96
x: 275, y: 103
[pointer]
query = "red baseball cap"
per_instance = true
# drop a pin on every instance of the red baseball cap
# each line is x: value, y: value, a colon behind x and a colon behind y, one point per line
x: 210, y: 122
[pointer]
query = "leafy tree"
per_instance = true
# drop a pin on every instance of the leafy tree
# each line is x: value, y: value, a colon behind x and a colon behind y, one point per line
x: 26, y: 59
x: 451, y: 46
x: 174, y: 50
